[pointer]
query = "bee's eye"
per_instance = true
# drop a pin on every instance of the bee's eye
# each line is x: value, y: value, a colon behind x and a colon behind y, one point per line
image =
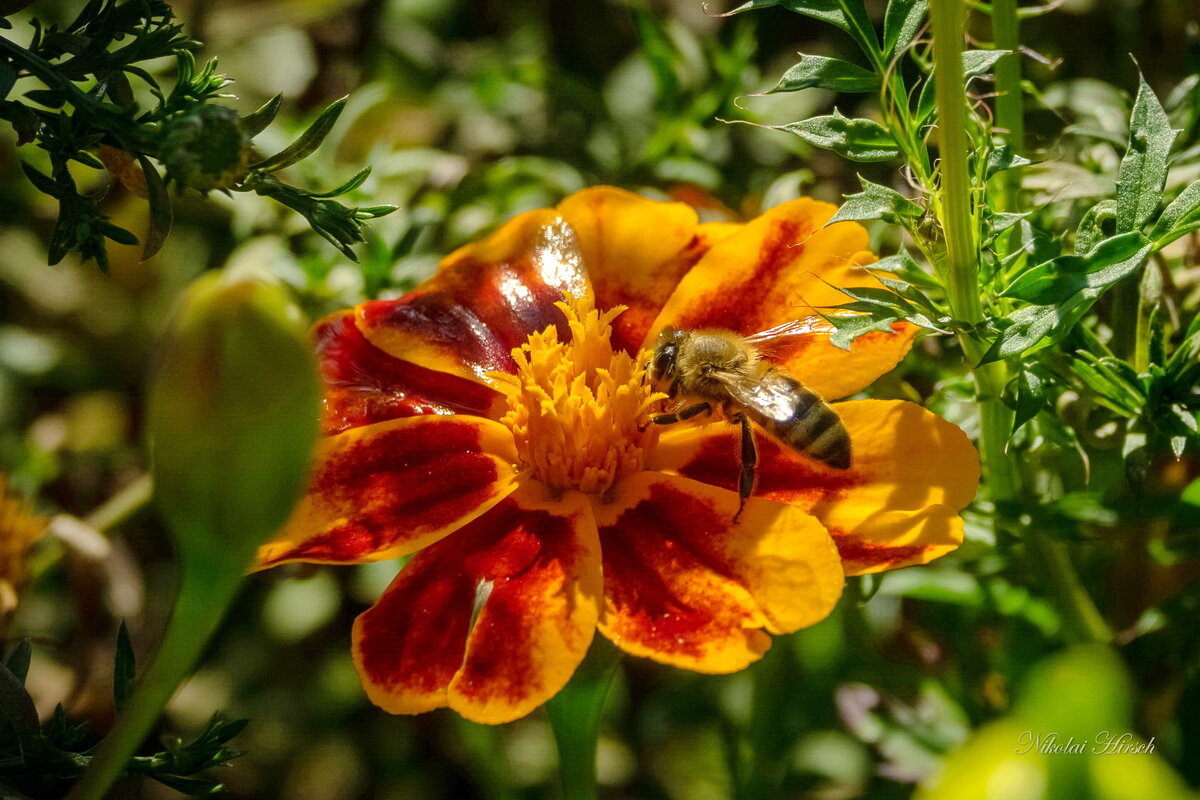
x: 664, y: 360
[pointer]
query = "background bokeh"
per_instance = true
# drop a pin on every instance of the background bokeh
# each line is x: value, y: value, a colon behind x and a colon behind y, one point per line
x: 470, y: 111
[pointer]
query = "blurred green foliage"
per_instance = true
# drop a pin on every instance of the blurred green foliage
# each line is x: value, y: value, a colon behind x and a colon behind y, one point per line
x: 469, y: 111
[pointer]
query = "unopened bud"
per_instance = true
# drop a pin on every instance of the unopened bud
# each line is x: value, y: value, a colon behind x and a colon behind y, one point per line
x: 233, y: 418
x: 206, y: 148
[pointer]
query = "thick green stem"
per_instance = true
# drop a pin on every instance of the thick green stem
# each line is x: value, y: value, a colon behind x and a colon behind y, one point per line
x: 575, y: 717
x: 198, y: 613
x: 960, y: 270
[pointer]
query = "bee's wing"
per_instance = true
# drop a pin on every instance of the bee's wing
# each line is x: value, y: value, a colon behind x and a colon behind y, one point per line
x: 772, y: 396
x: 779, y: 337
x: 793, y: 327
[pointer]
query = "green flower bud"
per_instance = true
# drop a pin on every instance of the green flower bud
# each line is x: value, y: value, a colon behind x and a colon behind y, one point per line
x: 232, y: 420
x: 206, y: 148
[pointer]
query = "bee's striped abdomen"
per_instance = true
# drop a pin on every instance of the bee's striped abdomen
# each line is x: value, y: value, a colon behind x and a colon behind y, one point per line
x: 813, y: 428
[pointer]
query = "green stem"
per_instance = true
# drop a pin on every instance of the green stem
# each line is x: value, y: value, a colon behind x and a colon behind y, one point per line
x: 198, y: 613
x: 122, y: 505
x: 1010, y: 106
x: 961, y: 273
x: 575, y: 717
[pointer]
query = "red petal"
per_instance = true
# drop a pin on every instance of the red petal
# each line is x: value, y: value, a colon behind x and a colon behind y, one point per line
x: 528, y: 572
x: 687, y: 586
x: 484, y: 301
x: 785, y: 266
x: 897, y: 504
x: 364, y: 385
x: 393, y: 487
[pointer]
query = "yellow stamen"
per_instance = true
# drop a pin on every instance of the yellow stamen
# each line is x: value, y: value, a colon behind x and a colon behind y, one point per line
x: 578, y: 410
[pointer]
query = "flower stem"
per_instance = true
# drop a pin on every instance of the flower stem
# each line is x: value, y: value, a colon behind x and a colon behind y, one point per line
x: 202, y: 601
x: 575, y: 717
x: 961, y: 273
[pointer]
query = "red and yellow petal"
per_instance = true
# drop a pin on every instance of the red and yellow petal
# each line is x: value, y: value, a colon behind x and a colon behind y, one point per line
x: 390, y: 488
x: 911, y: 472
x: 635, y: 251
x: 491, y: 621
x: 685, y: 585
x: 484, y: 301
x: 780, y: 267
x: 364, y: 385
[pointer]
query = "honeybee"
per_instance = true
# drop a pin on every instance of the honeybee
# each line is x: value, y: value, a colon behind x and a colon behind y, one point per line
x: 713, y: 369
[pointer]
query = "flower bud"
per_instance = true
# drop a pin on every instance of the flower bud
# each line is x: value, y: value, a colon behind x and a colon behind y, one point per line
x: 232, y: 418
x: 206, y: 148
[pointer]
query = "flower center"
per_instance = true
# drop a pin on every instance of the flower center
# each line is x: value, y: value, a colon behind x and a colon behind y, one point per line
x: 576, y: 408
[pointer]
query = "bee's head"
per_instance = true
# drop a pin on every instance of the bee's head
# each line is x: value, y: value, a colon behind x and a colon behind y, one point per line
x: 662, y: 362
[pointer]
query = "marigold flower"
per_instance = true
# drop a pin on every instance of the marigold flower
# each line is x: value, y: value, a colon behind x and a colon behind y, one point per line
x: 494, y: 419
x: 20, y: 528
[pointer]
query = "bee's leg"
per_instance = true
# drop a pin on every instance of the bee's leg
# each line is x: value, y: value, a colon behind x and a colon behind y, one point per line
x: 749, y: 464
x: 681, y: 416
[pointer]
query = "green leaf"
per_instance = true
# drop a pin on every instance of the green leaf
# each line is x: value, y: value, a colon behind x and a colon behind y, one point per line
x: 877, y: 202
x: 820, y: 72
x: 1031, y: 397
x: 1181, y: 217
x: 124, y: 668
x: 975, y: 63
x: 849, y: 15
x: 350, y: 186
x: 1143, y: 170
x: 16, y: 705
x: 1001, y: 158
x: 850, y: 327
x: 18, y: 660
x: 1090, y: 231
x: 901, y: 23
x: 1028, y: 327
x: 856, y: 139
x: 42, y: 182
x: 308, y: 142
x: 256, y: 123
x: 1067, y: 276
x: 161, y: 214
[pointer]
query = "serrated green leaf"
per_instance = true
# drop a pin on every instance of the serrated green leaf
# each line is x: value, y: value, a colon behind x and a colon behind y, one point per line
x: 124, y: 668
x: 1032, y: 326
x: 1179, y: 218
x: 821, y: 72
x: 856, y: 139
x: 1066, y: 276
x: 1001, y: 158
x: 1090, y: 231
x: 901, y: 23
x: 850, y: 328
x: 877, y: 202
x: 1143, y: 170
x: 308, y: 142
